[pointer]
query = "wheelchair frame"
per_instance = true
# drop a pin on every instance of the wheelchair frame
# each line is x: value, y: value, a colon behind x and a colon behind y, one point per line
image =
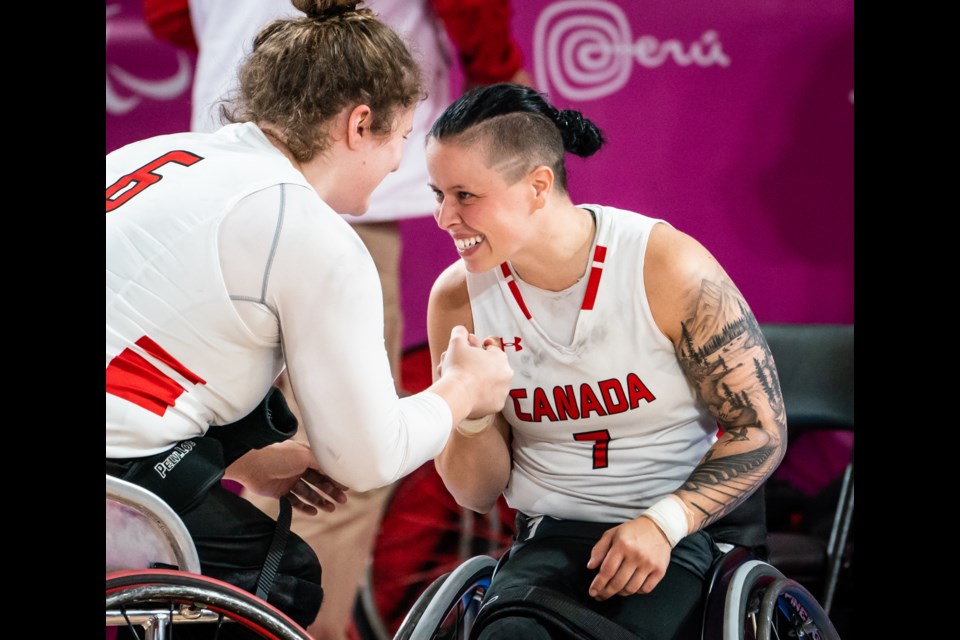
x: 154, y: 581
x: 747, y: 599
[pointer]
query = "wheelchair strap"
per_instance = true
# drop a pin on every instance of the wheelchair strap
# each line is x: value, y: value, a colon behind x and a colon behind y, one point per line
x: 271, y: 563
x: 553, y: 607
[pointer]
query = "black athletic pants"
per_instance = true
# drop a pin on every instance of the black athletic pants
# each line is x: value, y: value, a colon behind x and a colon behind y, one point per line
x: 556, y: 558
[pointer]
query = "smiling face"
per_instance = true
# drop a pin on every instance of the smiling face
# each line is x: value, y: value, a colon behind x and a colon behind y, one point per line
x: 488, y: 218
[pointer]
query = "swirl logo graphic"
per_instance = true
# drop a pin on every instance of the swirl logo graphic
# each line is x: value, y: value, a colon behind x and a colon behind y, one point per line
x: 163, y: 89
x: 585, y: 49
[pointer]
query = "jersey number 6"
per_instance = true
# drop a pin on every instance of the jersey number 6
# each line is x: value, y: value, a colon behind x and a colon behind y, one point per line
x: 133, y: 183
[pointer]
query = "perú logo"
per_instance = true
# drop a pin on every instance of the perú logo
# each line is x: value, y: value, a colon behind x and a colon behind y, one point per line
x: 163, y: 89
x: 585, y: 49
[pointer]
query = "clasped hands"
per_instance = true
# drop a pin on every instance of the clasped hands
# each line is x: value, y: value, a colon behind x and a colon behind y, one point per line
x: 481, y: 365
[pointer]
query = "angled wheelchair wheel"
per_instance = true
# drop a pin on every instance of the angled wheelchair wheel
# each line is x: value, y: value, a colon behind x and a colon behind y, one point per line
x: 789, y: 610
x: 760, y: 603
x: 151, y: 602
x: 447, y: 608
x: 423, y: 535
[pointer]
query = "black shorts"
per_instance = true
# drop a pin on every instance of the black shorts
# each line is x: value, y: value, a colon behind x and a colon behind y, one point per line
x: 556, y: 558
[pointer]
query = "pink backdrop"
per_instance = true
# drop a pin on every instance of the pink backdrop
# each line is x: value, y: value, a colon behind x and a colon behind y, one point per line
x: 732, y: 120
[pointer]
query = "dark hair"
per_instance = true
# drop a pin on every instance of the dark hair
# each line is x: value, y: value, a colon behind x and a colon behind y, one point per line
x: 519, y: 129
x: 304, y: 71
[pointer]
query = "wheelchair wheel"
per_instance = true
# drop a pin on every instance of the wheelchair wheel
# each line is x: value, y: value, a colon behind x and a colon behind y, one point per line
x: 448, y: 606
x: 762, y: 604
x: 424, y: 534
x: 158, y: 599
x: 788, y: 610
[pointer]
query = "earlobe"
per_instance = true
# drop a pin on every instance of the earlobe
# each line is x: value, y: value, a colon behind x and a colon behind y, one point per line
x: 358, y: 125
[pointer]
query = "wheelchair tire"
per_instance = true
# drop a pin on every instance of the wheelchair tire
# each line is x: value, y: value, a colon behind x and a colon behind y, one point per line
x: 788, y: 609
x: 188, y: 598
x: 423, y: 535
x: 450, y: 603
x: 761, y: 603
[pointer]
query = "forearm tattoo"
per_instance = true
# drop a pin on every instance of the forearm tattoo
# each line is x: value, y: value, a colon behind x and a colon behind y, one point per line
x: 726, y: 358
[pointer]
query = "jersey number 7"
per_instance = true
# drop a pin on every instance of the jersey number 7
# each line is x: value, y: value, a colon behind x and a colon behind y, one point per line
x: 600, y: 439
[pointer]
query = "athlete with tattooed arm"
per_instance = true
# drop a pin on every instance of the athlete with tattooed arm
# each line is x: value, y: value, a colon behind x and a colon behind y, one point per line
x: 645, y: 410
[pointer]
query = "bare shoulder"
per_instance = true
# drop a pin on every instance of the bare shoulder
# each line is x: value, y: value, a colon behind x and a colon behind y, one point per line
x: 449, y: 293
x: 671, y: 253
x: 448, y: 306
x: 680, y: 276
x: 451, y: 284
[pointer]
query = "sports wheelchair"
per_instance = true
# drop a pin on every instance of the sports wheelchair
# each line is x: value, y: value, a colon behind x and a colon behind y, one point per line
x: 154, y: 581
x: 747, y: 599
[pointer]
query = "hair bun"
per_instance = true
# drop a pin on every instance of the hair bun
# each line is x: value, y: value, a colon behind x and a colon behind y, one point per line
x: 580, y: 136
x: 326, y: 9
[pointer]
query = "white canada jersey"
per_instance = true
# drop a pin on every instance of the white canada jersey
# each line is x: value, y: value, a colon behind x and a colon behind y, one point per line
x: 606, y: 426
x: 224, y: 266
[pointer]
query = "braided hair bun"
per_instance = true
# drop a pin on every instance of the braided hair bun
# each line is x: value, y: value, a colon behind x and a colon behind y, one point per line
x: 581, y: 137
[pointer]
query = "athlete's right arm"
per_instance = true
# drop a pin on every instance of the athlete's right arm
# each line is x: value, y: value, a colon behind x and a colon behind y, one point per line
x: 475, y: 469
x: 326, y: 292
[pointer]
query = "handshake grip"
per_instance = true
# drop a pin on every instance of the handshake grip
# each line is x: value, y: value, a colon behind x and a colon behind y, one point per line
x: 485, y: 375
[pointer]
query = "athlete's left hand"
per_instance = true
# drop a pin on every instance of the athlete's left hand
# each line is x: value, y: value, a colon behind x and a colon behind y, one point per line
x: 632, y: 557
x: 288, y: 469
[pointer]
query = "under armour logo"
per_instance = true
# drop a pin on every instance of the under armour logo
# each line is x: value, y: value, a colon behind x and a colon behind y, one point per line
x: 515, y: 344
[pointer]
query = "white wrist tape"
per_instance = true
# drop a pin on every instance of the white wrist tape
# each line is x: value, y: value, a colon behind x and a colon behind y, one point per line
x: 471, y: 428
x: 668, y: 513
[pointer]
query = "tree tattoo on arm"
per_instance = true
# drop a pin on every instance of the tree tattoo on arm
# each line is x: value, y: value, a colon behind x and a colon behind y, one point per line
x: 726, y: 358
